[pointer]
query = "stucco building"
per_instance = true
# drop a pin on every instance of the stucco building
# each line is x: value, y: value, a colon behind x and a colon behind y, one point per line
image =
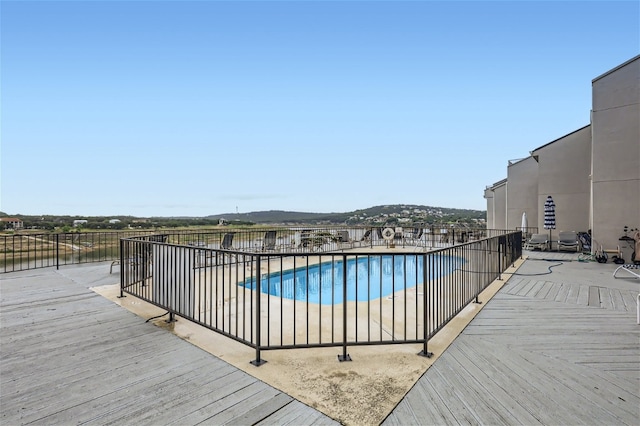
x: 593, y: 173
x: 11, y: 223
x: 615, y: 172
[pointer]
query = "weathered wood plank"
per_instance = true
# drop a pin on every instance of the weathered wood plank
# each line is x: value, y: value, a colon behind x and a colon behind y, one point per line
x: 526, y: 288
x: 260, y: 411
x: 496, y: 385
x: 583, y: 295
x: 605, y: 298
x: 542, y: 294
x: 169, y: 403
x: 572, y: 295
x: 71, y: 356
x: 537, y: 286
x: 545, y: 396
x: 294, y: 413
x: 230, y: 406
x: 562, y: 293
x: 402, y: 415
x: 426, y: 403
x: 594, y: 296
x: 515, y: 286
x: 553, y: 291
x: 553, y: 357
x: 473, y: 391
x: 630, y: 299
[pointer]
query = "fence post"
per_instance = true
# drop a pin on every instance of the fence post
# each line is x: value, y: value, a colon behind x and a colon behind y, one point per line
x: 499, y: 258
x: 345, y: 356
x: 57, y: 251
x: 258, y: 362
x: 477, y: 265
x: 425, y: 312
x: 123, y: 265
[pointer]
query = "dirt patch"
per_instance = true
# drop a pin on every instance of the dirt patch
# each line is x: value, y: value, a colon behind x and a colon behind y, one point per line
x: 358, y: 392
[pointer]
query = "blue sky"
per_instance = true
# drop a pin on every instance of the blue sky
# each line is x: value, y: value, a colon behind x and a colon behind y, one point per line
x: 194, y: 108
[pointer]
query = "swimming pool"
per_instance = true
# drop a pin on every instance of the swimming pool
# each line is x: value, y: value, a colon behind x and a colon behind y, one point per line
x: 368, y: 278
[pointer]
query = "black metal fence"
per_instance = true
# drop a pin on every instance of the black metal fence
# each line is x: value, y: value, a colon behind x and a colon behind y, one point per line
x: 527, y: 232
x: 22, y: 251
x: 295, y: 295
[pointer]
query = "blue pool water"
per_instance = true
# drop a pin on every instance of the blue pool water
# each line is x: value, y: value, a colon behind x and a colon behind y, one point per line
x: 368, y: 279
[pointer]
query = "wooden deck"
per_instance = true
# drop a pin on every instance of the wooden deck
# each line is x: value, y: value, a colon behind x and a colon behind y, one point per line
x: 69, y: 356
x: 556, y: 349
x: 549, y: 348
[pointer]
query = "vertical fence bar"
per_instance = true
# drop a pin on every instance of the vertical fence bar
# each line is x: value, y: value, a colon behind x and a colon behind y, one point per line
x: 345, y: 356
x: 425, y: 311
x: 258, y: 362
x: 57, y: 251
x: 123, y: 266
x: 477, y: 267
x: 500, y: 238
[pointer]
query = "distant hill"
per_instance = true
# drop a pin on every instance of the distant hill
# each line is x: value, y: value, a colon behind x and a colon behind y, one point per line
x: 397, y: 213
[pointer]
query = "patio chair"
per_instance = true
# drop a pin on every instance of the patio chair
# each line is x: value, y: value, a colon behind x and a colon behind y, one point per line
x: 306, y: 239
x: 343, y: 239
x: 537, y: 241
x: 227, y: 241
x: 568, y: 240
x: 632, y: 268
x: 414, y: 235
x: 144, y: 256
x: 269, y: 242
x: 585, y: 241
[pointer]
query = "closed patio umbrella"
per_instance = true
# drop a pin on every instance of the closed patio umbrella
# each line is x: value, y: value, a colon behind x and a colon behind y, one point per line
x: 549, y: 216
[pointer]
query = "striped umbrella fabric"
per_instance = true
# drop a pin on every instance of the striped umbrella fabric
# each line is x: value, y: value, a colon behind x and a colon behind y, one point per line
x: 550, y: 218
x: 549, y: 213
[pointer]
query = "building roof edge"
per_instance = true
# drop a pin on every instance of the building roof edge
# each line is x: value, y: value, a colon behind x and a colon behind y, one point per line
x: 635, y: 58
x: 556, y: 140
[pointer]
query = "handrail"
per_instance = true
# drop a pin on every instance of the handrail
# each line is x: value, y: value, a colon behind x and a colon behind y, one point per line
x: 26, y: 250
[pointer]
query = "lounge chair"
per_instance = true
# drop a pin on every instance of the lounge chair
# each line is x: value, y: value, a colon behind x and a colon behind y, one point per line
x: 143, y: 256
x: 343, y: 239
x: 306, y: 239
x: 343, y: 236
x: 585, y: 241
x: 269, y: 241
x: 631, y: 268
x: 568, y: 240
x: 414, y: 235
x: 227, y: 241
x: 537, y: 241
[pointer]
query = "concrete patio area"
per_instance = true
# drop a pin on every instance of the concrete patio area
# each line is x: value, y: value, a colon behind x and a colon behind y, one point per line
x: 555, y: 343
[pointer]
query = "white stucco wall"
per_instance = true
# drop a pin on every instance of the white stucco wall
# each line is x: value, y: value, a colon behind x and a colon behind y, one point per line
x: 496, y: 197
x: 488, y: 195
x: 615, y: 121
x: 522, y: 192
x: 564, y: 166
x: 593, y: 174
